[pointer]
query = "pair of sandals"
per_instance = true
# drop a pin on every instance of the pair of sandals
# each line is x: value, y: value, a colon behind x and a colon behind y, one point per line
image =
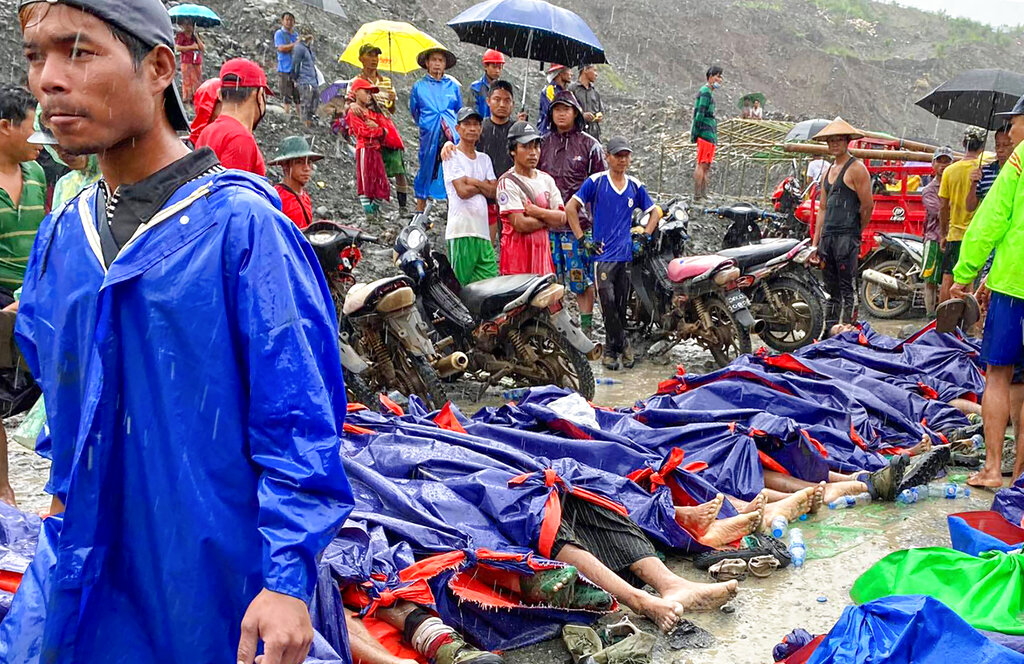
x: 737, y: 568
x: 962, y: 312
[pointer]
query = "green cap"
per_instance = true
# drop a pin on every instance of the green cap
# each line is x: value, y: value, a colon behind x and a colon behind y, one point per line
x: 294, y: 147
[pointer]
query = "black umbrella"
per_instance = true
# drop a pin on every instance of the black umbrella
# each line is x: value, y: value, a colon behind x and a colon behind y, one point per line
x: 806, y: 130
x: 973, y: 97
x: 329, y: 6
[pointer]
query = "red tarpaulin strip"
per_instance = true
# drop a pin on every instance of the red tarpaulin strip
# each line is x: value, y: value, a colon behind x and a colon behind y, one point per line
x: 417, y: 592
x: 551, y: 523
x: 771, y: 464
x: 857, y: 440
x: 9, y: 581
x: 927, y: 392
x: 815, y: 443
x: 569, y: 429
x: 391, y: 405
x: 352, y: 428
x: 446, y: 419
x: 787, y: 362
x: 600, y: 501
x: 354, y: 407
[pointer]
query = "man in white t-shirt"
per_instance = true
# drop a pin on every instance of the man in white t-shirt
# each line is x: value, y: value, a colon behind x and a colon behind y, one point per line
x: 469, y: 180
x: 816, y: 169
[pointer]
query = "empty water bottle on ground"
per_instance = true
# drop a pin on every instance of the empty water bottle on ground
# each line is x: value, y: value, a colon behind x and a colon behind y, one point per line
x: 797, y: 548
x: 908, y: 496
x: 779, y: 526
x: 606, y: 381
x: 846, y: 502
x: 514, y: 395
x: 952, y: 491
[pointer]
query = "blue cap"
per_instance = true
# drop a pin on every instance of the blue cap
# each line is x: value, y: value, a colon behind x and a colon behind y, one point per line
x: 147, y: 21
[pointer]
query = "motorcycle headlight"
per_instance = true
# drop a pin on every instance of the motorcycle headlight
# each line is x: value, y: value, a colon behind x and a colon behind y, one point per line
x: 321, y: 238
x: 416, y: 239
x: 679, y: 214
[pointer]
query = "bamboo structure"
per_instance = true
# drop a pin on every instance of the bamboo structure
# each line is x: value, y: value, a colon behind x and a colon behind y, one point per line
x: 886, y: 155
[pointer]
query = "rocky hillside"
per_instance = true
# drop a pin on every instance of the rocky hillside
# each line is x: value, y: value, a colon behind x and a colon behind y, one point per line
x: 812, y: 58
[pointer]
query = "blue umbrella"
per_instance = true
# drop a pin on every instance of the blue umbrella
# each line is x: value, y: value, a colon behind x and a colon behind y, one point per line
x: 530, y: 29
x: 203, y: 17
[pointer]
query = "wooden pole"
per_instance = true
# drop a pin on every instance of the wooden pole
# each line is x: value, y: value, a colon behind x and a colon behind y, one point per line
x: 903, y: 143
x: 888, y: 155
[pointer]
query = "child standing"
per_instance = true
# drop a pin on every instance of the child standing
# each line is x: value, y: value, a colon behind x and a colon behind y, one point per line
x: 613, y: 195
x: 372, y: 131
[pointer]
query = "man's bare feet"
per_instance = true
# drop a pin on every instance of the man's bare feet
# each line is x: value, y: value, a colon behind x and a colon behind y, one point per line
x: 702, y: 596
x: 792, y: 507
x: 727, y: 531
x: 699, y: 518
x: 836, y: 490
x: 987, y: 477
x: 923, y: 447
x: 755, y: 505
x: 817, y: 498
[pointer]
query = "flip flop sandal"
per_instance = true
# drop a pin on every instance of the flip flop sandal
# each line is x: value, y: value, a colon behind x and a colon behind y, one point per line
x: 686, y: 635
x: 972, y: 312
x: 762, y: 566
x: 588, y: 598
x: 764, y: 545
x: 926, y: 467
x: 949, y: 314
x: 619, y: 631
x: 728, y: 569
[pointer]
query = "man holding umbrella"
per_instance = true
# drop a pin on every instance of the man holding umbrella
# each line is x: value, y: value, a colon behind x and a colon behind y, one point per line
x: 433, y: 103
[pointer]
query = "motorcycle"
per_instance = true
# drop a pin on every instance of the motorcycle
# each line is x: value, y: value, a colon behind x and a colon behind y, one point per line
x: 512, y: 326
x: 744, y: 228
x: 385, y: 343
x: 776, y: 278
x: 891, y: 282
x: 690, y: 298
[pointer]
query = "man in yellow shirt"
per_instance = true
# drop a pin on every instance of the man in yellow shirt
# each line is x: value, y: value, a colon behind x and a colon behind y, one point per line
x: 954, y: 218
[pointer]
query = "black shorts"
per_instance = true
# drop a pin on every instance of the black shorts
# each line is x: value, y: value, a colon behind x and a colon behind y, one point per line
x: 950, y: 255
x: 610, y: 537
x: 288, y: 90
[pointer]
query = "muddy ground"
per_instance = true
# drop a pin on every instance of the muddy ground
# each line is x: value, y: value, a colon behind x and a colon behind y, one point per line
x: 841, y: 545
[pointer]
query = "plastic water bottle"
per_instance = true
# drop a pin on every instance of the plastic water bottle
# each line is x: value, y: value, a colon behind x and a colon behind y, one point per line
x: 908, y: 496
x: 977, y: 441
x: 779, y: 526
x: 846, y: 502
x: 606, y: 381
x: 953, y: 491
x: 797, y: 548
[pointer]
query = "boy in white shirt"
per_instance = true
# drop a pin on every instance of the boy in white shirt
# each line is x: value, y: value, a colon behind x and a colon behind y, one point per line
x: 469, y: 180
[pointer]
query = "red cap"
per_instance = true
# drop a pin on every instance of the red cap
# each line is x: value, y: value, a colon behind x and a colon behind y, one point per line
x: 242, y: 73
x: 492, y: 57
x: 362, y: 84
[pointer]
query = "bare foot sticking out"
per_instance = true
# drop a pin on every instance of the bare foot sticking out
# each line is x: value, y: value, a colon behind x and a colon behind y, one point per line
x: 702, y: 596
x: 755, y: 505
x: 662, y: 612
x: 792, y: 508
x: 726, y: 531
x: 698, y: 519
x: 923, y: 447
x: 817, y: 498
x: 836, y: 490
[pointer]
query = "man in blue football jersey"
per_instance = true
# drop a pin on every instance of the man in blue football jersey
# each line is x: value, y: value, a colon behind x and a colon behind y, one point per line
x: 613, y: 196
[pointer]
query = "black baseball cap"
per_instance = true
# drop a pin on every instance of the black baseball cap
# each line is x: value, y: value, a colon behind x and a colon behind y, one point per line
x: 618, y: 144
x: 467, y: 112
x: 523, y: 132
x: 147, y: 21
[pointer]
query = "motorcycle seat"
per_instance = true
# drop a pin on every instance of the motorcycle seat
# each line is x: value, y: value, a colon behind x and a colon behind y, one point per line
x: 361, y: 294
x: 688, y: 267
x: 487, y: 298
x: 762, y: 252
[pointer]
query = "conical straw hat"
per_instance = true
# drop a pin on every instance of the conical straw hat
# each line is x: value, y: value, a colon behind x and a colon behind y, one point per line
x: 838, y: 127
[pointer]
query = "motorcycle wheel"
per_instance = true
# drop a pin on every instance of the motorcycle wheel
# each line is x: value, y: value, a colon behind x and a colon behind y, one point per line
x: 419, y: 378
x: 564, y: 365
x: 881, y: 304
x: 358, y: 391
x: 791, y: 329
x: 732, y: 339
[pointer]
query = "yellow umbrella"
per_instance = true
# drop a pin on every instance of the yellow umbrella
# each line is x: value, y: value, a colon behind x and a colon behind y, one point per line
x: 398, y: 42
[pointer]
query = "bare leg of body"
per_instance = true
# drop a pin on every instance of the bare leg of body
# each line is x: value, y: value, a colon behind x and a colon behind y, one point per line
x: 699, y: 518
x: 995, y: 411
x: 365, y: 648
x: 966, y: 407
x: 1017, y: 414
x: 722, y: 532
x: 793, y: 506
x: 832, y: 490
x: 664, y: 611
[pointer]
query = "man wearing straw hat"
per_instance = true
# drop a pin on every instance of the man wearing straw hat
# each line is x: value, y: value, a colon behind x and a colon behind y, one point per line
x: 433, y: 103
x: 845, y: 209
x: 296, y: 159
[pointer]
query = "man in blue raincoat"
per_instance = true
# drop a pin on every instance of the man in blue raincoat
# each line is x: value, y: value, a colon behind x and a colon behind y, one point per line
x: 433, y: 103
x: 186, y: 345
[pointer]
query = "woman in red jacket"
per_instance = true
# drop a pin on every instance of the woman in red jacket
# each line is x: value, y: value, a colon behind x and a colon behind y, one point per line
x: 372, y: 130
